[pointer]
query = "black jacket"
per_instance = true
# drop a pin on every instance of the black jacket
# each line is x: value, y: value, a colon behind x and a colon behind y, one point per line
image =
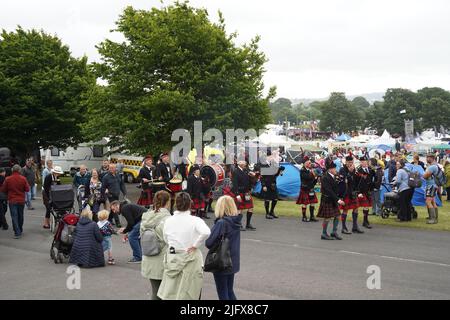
x: 269, y: 181
x: 194, y: 187
x: 148, y: 174
x: 114, y: 184
x: 102, y: 172
x: 307, y: 179
x: 329, y: 189
x: 2, y: 194
x: 229, y: 226
x: 392, y: 170
x: 132, y: 213
x: 364, y: 180
x: 165, y: 171
x: 48, y: 182
x: 347, y: 182
x: 241, y: 181
x: 87, y: 250
x: 378, y: 178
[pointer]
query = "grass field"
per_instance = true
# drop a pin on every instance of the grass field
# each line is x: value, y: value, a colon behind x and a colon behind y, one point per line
x: 290, y: 209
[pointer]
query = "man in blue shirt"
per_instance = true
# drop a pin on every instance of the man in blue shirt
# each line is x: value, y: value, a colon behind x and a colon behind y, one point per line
x: 431, y: 188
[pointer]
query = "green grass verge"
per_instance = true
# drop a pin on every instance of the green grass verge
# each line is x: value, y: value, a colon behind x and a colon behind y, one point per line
x: 290, y: 209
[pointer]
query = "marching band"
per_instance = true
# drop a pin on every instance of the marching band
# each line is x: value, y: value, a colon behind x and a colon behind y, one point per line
x: 342, y: 191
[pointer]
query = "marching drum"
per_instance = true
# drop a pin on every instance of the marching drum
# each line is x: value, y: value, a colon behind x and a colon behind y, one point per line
x: 158, y: 186
x: 215, y: 173
x: 175, y: 185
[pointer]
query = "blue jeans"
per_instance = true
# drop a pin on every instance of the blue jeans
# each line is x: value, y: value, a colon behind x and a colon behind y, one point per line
x: 376, y: 202
x: 28, y: 198
x: 135, y: 241
x: 16, y: 211
x: 224, y: 286
x: 33, y: 191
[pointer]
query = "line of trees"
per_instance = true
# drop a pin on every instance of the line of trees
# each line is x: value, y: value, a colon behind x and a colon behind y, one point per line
x: 174, y: 66
x: 428, y: 107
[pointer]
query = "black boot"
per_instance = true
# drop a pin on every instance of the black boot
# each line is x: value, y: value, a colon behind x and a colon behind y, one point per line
x: 311, y: 214
x: 344, y: 225
x: 266, y: 206
x: 366, y: 223
x: 272, y: 209
x: 209, y: 206
x: 249, y: 220
x: 355, y: 228
x: 304, y: 218
x: 204, y: 215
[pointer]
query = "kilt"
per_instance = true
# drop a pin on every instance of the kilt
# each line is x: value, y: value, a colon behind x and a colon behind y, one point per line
x: 365, y: 201
x: 227, y: 192
x: 197, y: 204
x: 270, y: 194
x: 303, y: 198
x: 350, y: 204
x: 327, y: 210
x: 146, y: 198
x: 209, y: 195
x: 244, y: 204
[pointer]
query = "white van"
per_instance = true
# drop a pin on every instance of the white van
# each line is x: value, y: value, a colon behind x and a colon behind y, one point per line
x: 70, y: 159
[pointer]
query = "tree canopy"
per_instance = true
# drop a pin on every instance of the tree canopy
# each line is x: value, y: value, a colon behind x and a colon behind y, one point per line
x: 174, y: 67
x: 42, y: 91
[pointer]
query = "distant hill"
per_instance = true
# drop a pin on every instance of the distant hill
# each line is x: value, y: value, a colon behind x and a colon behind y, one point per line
x: 371, y: 97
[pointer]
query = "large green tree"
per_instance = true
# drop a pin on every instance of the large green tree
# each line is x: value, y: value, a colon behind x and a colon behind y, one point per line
x: 42, y: 89
x: 174, y: 67
x: 338, y: 114
x: 435, y: 113
x: 400, y: 104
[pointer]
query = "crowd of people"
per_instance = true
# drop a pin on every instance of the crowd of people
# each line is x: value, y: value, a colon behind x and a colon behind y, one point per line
x: 166, y: 228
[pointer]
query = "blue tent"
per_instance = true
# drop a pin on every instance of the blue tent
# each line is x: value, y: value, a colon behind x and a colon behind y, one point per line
x: 288, y: 184
x: 419, y: 193
x: 383, y: 147
x: 343, y: 137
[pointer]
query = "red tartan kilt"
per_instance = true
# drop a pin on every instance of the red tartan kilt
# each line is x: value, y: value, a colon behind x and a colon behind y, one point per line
x: 350, y: 204
x: 327, y: 210
x: 146, y: 198
x: 209, y: 195
x: 227, y: 192
x: 197, y: 204
x: 244, y: 204
x: 365, y: 201
x: 303, y: 198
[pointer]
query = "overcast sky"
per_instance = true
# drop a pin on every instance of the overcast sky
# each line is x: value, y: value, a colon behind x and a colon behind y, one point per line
x: 314, y: 47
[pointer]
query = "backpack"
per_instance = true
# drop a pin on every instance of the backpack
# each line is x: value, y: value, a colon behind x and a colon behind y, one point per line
x: 150, y: 243
x: 414, y: 179
x: 440, y: 177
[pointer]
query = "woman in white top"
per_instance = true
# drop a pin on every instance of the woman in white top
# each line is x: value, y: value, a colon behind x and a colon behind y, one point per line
x: 183, y: 262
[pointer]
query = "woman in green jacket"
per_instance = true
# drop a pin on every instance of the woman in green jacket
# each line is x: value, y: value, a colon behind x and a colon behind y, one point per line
x: 152, y: 267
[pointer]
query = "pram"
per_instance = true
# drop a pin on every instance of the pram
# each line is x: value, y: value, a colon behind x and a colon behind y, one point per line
x: 63, y: 239
x: 61, y: 203
x: 391, y: 204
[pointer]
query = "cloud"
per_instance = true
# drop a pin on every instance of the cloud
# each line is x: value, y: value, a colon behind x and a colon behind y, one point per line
x: 314, y: 47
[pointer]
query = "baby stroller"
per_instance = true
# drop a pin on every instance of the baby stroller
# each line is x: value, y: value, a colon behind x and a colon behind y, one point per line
x: 61, y: 203
x: 391, y: 205
x: 63, y: 239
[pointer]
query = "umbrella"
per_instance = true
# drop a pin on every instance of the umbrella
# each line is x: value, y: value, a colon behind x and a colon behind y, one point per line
x: 343, y: 137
